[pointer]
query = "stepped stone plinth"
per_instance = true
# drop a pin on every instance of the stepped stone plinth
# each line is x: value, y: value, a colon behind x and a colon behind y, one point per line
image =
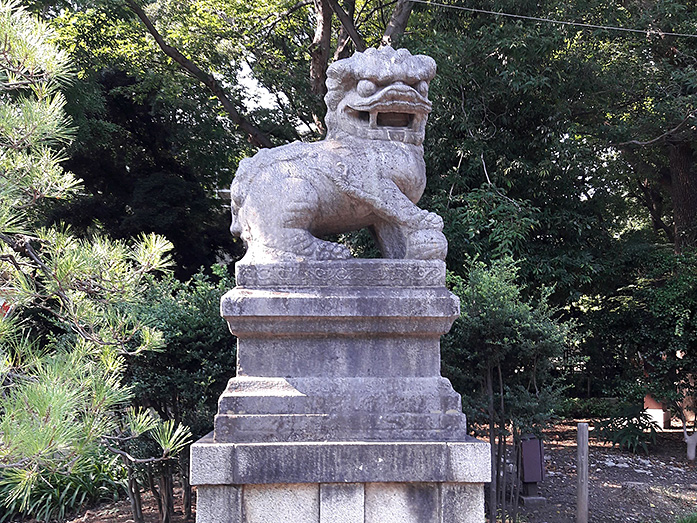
x: 338, y: 401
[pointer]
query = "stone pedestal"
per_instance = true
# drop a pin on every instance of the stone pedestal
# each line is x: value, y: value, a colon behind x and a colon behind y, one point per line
x: 338, y: 412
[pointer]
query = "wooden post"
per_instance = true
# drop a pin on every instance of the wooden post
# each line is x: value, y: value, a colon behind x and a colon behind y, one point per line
x: 582, y: 474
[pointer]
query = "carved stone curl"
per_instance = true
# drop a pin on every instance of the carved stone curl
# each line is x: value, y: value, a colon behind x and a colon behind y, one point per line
x: 368, y: 172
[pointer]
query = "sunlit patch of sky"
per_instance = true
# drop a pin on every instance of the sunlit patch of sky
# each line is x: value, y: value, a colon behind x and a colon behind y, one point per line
x: 255, y: 95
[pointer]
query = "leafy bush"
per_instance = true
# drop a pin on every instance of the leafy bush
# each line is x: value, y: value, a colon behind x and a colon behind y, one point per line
x: 586, y: 407
x: 184, y: 380
x: 630, y: 428
x: 52, y: 494
x: 500, y: 355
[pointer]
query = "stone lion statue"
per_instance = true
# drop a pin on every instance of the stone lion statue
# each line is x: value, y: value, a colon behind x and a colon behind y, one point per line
x: 368, y: 172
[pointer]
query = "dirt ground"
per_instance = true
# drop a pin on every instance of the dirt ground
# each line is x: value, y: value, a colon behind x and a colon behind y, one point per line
x: 654, y: 488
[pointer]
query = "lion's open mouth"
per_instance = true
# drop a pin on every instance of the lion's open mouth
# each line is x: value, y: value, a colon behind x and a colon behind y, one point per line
x: 395, y: 113
x: 386, y: 119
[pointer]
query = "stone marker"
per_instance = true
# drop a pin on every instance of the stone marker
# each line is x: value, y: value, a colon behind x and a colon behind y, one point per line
x: 338, y: 412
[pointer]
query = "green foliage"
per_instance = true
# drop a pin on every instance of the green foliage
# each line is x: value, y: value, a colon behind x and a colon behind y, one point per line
x: 498, y: 331
x: 629, y: 427
x: 647, y: 329
x: 140, y: 429
x: 151, y: 146
x: 687, y: 519
x: 32, y: 120
x: 56, y: 404
x: 73, y: 300
x: 586, y: 407
x: 486, y: 224
x: 53, y: 495
x: 183, y: 381
x: 500, y: 355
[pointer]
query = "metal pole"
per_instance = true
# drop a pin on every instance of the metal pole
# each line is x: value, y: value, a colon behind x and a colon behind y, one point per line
x: 582, y: 474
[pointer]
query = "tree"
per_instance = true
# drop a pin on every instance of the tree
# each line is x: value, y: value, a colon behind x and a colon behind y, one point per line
x: 648, y: 330
x: 500, y: 355
x: 63, y: 345
x: 183, y: 382
x: 150, y: 148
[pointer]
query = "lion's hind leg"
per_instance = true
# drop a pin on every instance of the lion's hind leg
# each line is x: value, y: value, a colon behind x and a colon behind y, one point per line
x: 283, y: 234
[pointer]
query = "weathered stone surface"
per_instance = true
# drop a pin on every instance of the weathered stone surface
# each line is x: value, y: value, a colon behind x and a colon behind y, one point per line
x: 219, y: 504
x: 340, y: 356
x: 339, y: 462
x: 339, y: 409
x: 470, y: 463
x: 402, y: 503
x: 282, y: 503
x: 350, y: 273
x: 395, y: 502
x: 345, y: 299
x: 462, y: 502
x: 342, y: 503
x: 369, y: 172
x: 355, y: 360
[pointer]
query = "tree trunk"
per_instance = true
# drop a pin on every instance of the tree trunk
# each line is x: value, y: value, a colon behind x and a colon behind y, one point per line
x: 518, y: 471
x: 133, y: 491
x: 492, y: 443
x: 398, y: 23
x: 348, y: 25
x: 503, y: 447
x: 683, y: 182
x: 342, y: 43
x: 186, y: 486
x: 319, y: 49
x: 653, y: 201
x: 155, y: 492
x: 166, y: 485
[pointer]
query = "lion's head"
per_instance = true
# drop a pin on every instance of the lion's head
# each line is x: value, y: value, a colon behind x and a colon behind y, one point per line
x: 381, y: 94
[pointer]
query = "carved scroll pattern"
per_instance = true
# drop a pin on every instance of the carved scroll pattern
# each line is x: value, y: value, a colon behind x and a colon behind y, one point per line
x: 359, y: 274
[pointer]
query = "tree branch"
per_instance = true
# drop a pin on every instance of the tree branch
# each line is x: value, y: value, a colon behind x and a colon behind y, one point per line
x: 255, y: 135
x: 271, y: 25
x: 666, y: 134
x: 342, y: 41
x: 132, y: 459
x: 347, y: 23
x: 14, y: 465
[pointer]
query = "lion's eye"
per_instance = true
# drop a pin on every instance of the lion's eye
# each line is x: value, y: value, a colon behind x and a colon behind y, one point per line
x: 422, y: 88
x: 366, y: 87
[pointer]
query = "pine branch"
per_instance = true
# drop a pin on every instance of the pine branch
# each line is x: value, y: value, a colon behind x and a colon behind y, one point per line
x: 137, y: 461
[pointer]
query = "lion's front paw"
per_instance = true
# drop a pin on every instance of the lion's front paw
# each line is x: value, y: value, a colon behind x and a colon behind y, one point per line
x: 331, y: 251
x: 427, y: 220
x: 426, y: 244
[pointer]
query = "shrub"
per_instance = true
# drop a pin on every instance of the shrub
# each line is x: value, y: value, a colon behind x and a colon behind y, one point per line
x: 586, y: 407
x: 630, y: 428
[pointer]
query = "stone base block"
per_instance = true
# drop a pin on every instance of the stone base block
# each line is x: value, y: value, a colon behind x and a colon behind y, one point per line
x: 340, y: 482
x: 341, y: 503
